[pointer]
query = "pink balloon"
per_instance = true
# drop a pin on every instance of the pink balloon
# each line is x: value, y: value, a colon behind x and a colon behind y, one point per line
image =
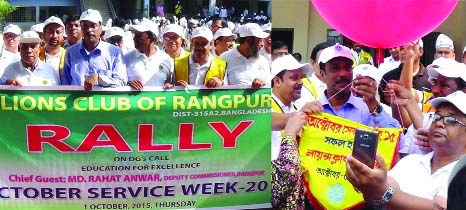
x: 384, y: 23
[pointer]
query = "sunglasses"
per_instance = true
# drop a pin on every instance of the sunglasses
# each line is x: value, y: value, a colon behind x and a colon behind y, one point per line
x: 448, y: 120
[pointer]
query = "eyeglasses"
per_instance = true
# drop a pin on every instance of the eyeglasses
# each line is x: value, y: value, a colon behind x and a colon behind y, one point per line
x: 448, y: 120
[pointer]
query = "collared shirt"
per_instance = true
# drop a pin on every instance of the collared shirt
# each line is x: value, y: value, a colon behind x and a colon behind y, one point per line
x: 414, y: 175
x: 6, y: 58
x: 306, y: 95
x: 408, y: 146
x: 242, y: 71
x: 276, y: 135
x: 42, y: 75
x: 106, y: 60
x: 53, y: 60
x: 151, y: 71
x: 356, y: 109
x: 197, y: 72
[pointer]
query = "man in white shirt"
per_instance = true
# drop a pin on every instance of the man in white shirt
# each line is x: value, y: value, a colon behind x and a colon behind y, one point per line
x: 313, y: 85
x: 30, y: 71
x: 9, y: 53
x: 416, y: 180
x: 390, y: 62
x: 223, y: 41
x: 147, y: 65
x: 53, y: 53
x: 200, y: 67
x: 173, y: 40
x: 245, y: 65
x: 266, y: 50
x: 286, y: 89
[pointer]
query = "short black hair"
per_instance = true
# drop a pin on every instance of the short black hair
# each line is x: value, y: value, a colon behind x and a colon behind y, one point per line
x: 278, y: 44
x: 460, y: 83
x: 223, y: 22
x: 119, y: 22
x: 70, y: 19
x: 318, y: 48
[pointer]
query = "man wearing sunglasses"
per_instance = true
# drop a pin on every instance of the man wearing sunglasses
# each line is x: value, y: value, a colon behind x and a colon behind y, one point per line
x: 418, y: 181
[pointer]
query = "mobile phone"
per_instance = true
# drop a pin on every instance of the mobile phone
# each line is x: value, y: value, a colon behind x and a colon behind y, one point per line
x: 365, y: 146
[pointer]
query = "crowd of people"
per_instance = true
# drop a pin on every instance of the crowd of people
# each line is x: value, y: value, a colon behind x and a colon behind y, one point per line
x: 82, y: 51
x: 427, y: 103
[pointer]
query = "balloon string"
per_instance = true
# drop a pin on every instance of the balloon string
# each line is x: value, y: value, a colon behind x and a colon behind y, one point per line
x: 392, y: 99
x: 341, y: 90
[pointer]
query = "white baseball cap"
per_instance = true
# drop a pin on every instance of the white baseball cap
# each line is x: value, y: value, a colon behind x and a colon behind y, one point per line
x: 53, y: 19
x: 224, y: 32
x: 464, y: 49
x: 334, y: 51
x: 146, y: 27
x: 457, y: 99
x: 29, y: 37
x: 267, y: 27
x: 12, y: 28
x: 91, y: 15
x: 252, y: 29
x: 443, y: 41
x: 203, y: 32
x: 288, y: 62
x: 447, y: 68
x: 173, y: 28
x: 366, y: 70
x: 114, y: 31
x: 39, y: 28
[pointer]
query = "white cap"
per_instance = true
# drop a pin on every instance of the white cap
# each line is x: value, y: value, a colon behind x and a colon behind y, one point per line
x: 114, y: 31
x: 29, y: 37
x: 53, y: 19
x: 39, y: 28
x: 461, y: 164
x: 224, y: 32
x: 366, y: 70
x: 203, y: 32
x: 457, y: 99
x: 447, y: 68
x: 288, y: 62
x: 421, y: 43
x: 334, y: 51
x: 443, y: 41
x: 12, y: 28
x: 146, y: 27
x: 267, y: 27
x: 173, y: 28
x: 91, y: 15
x: 252, y: 29
x: 464, y: 49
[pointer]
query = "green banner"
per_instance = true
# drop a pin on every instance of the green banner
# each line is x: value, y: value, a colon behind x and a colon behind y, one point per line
x: 65, y: 149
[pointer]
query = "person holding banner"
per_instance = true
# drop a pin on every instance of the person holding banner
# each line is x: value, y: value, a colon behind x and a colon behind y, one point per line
x: 147, y: 65
x: 287, y: 187
x: 286, y: 89
x: 93, y: 61
x: 30, y: 71
x: 416, y: 180
x: 335, y: 63
x: 200, y: 67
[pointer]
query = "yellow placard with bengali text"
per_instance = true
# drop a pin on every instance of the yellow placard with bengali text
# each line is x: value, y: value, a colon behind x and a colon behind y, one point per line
x: 324, y: 145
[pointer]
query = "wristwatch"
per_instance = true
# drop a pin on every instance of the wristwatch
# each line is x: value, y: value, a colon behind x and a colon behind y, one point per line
x: 378, y: 109
x: 385, y: 197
